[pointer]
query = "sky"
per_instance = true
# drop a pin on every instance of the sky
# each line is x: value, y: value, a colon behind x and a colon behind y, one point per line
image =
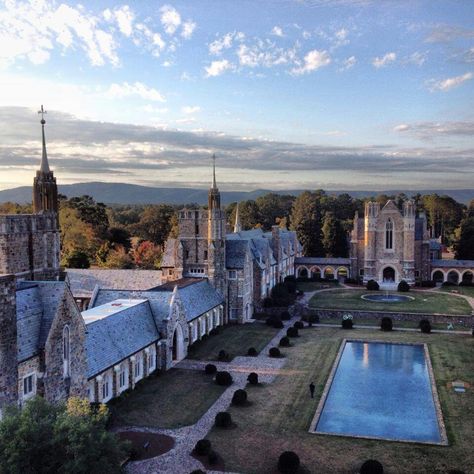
x: 289, y: 94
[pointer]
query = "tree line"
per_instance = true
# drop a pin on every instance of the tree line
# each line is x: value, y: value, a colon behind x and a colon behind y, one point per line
x: 133, y: 236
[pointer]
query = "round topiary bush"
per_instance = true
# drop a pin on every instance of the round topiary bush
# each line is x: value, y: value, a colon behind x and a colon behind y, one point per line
x: 425, y: 326
x: 292, y: 332
x: 203, y: 447
x: 403, y: 286
x: 198, y: 471
x: 285, y: 316
x: 274, y: 352
x: 347, y: 324
x: 288, y: 462
x: 214, y: 332
x: 224, y: 378
x: 252, y: 379
x: 223, y: 355
x: 386, y: 324
x: 210, y: 369
x: 298, y: 325
x: 239, y: 398
x: 284, y: 342
x: 371, y: 466
x: 270, y: 321
x: 252, y: 352
x: 223, y: 420
x: 372, y: 285
x: 212, y: 458
x: 278, y: 324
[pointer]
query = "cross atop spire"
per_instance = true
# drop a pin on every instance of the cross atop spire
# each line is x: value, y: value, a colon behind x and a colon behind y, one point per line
x: 44, y: 167
x: 214, y: 185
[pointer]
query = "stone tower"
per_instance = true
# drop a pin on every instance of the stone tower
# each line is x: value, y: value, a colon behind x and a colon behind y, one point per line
x: 408, y: 262
x: 8, y: 343
x: 45, y: 190
x: 216, y: 236
x: 237, y: 224
x: 372, y: 210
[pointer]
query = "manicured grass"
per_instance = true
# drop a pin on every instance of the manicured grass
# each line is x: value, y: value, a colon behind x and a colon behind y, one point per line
x: 280, y: 413
x: 399, y: 324
x: 462, y: 290
x: 424, y: 302
x: 171, y: 400
x: 308, y: 286
x: 235, y: 340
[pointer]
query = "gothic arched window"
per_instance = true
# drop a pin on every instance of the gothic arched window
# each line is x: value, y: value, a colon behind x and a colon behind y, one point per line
x: 66, y: 352
x: 389, y: 234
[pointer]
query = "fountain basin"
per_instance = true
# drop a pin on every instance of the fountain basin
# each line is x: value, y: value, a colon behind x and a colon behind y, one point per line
x: 387, y: 298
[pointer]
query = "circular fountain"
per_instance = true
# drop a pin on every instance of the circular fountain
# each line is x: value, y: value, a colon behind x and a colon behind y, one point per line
x: 387, y: 298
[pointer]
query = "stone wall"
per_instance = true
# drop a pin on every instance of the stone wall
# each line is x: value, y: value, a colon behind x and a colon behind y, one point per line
x: 8, y: 344
x: 28, y: 367
x: 464, y: 321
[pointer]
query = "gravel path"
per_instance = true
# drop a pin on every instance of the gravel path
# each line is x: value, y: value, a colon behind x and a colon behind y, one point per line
x: 179, y: 460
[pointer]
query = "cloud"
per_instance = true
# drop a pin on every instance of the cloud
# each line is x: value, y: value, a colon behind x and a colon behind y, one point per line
x: 348, y: 63
x: 188, y: 29
x: 120, y: 91
x: 216, y: 68
x: 449, y: 83
x: 170, y: 19
x: 225, y: 42
x: 384, y: 60
x: 312, y: 61
x: 277, y: 31
x: 416, y: 58
x: 264, y: 53
x: 448, y: 33
x: 124, y: 17
x: 188, y: 110
x: 433, y: 130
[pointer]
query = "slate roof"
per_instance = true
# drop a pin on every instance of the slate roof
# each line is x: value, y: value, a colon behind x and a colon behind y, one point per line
x: 197, y: 299
x: 453, y: 263
x: 124, y: 327
x: 36, y: 307
x: 83, y: 282
x: 167, y: 259
x: 235, y: 251
x: 419, y: 228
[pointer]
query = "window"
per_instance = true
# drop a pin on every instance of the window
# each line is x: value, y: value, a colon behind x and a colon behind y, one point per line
x: 196, y: 229
x: 105, y: 389
x: 28, y: 385
x: 389, y: 235
x: 186, y: 254
x: 205, y: 254
x: 138, y: 367
x: 123, y: 376
x: 234, y: 313
x: 361, y: 272
x: 151, y: 359
x: 232, y: 274
x: 66, y: 352
x: 417, y: 273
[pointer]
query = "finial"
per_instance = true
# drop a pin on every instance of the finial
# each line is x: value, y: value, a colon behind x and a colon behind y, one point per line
x: 44, y: 167
x: 214, y: 185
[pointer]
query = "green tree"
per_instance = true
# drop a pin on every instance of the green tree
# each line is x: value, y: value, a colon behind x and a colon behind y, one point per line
x: 147, y: 255
x: 91, y: 212
x: 334, y: 238
x: 464, y: 246
x: 155, y: 223
x: 272, y: 206
x: 249, y: 214
x: 119, y: 236
x: 76, y: 259
x: 118, y: 258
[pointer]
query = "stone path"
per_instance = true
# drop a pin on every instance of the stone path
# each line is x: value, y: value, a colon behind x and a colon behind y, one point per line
x: 179, y: 460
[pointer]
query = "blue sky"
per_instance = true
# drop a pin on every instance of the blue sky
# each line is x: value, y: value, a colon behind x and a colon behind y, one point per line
x: 343, y: 94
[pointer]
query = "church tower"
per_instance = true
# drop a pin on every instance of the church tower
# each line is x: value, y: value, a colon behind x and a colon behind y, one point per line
x: 45, y: 190
x: 216, y: 236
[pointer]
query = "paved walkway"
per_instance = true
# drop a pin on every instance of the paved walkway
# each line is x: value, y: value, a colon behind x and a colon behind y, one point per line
x: 179, y: 460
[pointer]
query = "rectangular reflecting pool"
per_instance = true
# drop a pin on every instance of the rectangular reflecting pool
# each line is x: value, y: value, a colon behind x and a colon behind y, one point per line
x: 381, y: 390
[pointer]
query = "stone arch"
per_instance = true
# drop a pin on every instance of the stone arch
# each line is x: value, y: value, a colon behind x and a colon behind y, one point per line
x: 389, y: 274
x: 438, y: 276
x: 303, y: 272
x: 178, y: 343
x: 468, y: 276
x: 329, y: 273
x: 342, y: 272
x: 315, y: 272
x: 453, y: 276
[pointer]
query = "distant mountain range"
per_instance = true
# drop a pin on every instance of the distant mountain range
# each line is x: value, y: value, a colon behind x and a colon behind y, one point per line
x: 121, y: 193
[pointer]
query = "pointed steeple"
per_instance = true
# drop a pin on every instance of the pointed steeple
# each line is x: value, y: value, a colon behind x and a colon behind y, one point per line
x: 214, y: 195
x: 237, y: 225
x: 44, y: 167
x: 214, y: 185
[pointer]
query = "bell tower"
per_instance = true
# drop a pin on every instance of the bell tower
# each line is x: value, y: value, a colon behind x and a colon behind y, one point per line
x: 45, y: 190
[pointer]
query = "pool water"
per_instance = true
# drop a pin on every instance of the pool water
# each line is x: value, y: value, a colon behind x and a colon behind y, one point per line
x: 381, y: 390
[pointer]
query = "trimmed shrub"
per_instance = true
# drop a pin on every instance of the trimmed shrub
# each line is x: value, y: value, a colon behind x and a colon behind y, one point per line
x: 290, y: 283
x: 212, y: 458
x: 288, y: 462
x: 403, y: 286
x: 425, y: 326
x: 214, y: 332
x: 270, y: 321
x: 298, y: 325
x: 239, y: 398
x: 284, y: 342
x: 203, y: 447
x: 448, y: 284
x: 223, y: 355
x: 347, y: 324
x: 252, y: 379
x: 224, y: 378
x: 252, y: 352
x: 427, y: 284
x: 386, y: 324
x: 278, y: 324
x: 223, y: 420
x: 350, y: 281
x: 274, y: 352
x: 466, y: 283
x: 292, y: 332
x: 372, y: 285
x: 371, y: 466
x: 210, y: 369
x: 198, y: 471
x: 280, y: 295
x: 285, y: 316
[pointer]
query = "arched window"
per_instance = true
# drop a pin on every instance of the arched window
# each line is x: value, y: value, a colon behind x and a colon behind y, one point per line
x: 66, y: 352
x: 389, y: 234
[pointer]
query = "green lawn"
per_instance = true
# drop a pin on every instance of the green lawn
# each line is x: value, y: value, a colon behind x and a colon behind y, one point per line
x: 171, y: 400
x: 463, y: 290
x: 235, y: 340
x: 280, y: 414
x: 308, y: 286
x: 424, y: 302
x: 399, y: 324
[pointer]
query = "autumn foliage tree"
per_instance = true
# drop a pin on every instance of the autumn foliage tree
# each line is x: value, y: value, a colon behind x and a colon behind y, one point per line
x: 147, y: 255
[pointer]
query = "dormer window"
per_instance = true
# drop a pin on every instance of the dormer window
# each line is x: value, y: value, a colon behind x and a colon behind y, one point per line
x: 389, y: 235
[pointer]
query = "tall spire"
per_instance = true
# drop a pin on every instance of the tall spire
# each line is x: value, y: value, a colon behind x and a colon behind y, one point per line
x: 214, y: 185
x: 237, y: 225
x: 44, y: 167
x: 214, y: 195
